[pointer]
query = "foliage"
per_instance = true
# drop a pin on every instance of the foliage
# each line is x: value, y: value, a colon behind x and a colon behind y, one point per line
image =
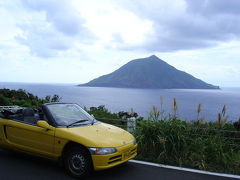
x: 19, y: 97
x: 102, y: 112
x: 237, y: 124
x: 199, y: 109
x: 200, y: 120
x: 23, y: 98
x: 161, y: 108
x: 119, y: 119
x: 174, y: 108
x: 154, y: 114
x: 187, y: 144
x: 54, y: 98
x: 201, y: 145
x: 222, y: 117
x: 212, y: 146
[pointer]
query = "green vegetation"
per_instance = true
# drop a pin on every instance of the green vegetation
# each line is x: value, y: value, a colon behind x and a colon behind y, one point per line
x: 150, y: 72
x: 23, y: 98
x: 120, y: 119
x: 187, y: 144
x: 211, y: 146
x: 102, y: 112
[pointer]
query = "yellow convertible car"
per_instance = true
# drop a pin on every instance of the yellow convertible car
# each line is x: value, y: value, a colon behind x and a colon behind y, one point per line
x: 64, y: 131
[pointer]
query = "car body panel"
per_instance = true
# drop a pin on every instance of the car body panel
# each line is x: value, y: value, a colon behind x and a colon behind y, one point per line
x: 123, y: 154
x: 27, y: 138
x: 97, y: 135
x: 50, y: 143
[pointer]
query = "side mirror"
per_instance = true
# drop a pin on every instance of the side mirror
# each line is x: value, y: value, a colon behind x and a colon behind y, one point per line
x: 44, y: 125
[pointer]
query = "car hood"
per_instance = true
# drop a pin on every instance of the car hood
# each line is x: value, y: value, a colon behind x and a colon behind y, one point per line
x: 97, y: 135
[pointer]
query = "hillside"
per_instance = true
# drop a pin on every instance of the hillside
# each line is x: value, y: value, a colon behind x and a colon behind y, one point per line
x: 20, y: 97
x: 150, y: 72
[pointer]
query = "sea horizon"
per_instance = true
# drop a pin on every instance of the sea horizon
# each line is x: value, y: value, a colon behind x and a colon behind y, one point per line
x: 141, y: 100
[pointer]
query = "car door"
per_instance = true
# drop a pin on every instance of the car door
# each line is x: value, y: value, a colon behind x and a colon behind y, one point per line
x: 29, y: 137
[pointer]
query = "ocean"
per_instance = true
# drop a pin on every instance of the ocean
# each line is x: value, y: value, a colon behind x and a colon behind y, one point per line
x: 142, y: 100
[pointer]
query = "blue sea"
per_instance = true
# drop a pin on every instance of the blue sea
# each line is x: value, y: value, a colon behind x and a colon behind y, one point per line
x: 142, y: 100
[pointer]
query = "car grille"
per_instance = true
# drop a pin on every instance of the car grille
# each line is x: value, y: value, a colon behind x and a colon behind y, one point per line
x: 124, y: 155
x: 115, y: 159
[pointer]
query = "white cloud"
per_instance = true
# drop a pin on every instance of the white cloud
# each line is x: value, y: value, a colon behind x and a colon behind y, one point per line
x: 114, y: 26
x: 217, y: 65
x: 76, y: 40
x: 44, y: 41
x: 51, y: 27
x: 61, y: 14
x: 186, y: 25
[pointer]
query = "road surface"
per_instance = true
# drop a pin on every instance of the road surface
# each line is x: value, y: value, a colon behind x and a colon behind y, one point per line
x: 19, y: 166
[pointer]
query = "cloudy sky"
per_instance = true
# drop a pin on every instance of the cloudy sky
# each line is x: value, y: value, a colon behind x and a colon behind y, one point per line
x: 74, y: 41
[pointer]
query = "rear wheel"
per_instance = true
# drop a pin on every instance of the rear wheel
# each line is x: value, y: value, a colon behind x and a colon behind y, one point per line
x: 78, y: 162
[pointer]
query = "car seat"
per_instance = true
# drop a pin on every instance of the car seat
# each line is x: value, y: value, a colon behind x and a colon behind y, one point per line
x: 29, y: 116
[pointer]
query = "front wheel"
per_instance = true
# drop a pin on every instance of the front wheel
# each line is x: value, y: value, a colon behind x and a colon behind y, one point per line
x: 78, y: 162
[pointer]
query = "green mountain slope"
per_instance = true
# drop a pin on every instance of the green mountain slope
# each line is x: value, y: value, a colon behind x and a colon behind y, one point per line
x: 150, y: 72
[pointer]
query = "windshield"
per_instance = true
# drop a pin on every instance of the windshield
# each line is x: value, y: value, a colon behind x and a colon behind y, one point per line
x: 66, y: 114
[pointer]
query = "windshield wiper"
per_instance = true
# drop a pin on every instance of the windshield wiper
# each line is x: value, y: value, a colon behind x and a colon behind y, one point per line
x: 93, y: 122
x: 82, y: 120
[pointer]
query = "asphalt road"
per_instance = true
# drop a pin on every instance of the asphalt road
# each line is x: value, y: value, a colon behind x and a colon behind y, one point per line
x: 19, y: 166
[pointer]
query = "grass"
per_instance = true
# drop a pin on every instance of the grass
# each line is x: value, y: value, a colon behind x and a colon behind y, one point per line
x: 180, y: 143
x: 211, y: 146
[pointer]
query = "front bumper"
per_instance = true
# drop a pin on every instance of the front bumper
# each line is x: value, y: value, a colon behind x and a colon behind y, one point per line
x: 123, y: 154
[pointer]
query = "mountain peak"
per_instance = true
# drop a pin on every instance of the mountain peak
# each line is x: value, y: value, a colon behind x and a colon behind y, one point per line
x: 153, y: 57
x: 150, y: 72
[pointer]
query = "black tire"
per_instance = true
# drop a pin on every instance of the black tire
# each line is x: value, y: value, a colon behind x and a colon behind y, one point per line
x: 78, y: 162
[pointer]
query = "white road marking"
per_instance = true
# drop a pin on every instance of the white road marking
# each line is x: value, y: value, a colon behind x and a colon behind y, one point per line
x: 185, y: 169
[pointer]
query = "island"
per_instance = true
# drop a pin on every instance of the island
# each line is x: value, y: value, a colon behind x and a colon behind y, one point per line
x: 149, y: 73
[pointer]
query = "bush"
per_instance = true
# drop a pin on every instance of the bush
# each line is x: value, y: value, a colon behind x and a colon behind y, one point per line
x: 102, y: 114
x: 181, y: 143
x: 237, y: 125
x: 23, y: 98
x: 119, y: 119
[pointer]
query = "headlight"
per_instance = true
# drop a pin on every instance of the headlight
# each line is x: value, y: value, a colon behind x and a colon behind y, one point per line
x: 134, y: 141
x: 102, y: 151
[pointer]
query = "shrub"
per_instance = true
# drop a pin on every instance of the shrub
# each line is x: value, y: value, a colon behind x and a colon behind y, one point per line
x: 181, y: 143
x: 22, y: 98
x: 237, y: 124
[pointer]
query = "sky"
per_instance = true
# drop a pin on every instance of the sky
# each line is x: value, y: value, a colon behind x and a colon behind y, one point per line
x: 75, y: 41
